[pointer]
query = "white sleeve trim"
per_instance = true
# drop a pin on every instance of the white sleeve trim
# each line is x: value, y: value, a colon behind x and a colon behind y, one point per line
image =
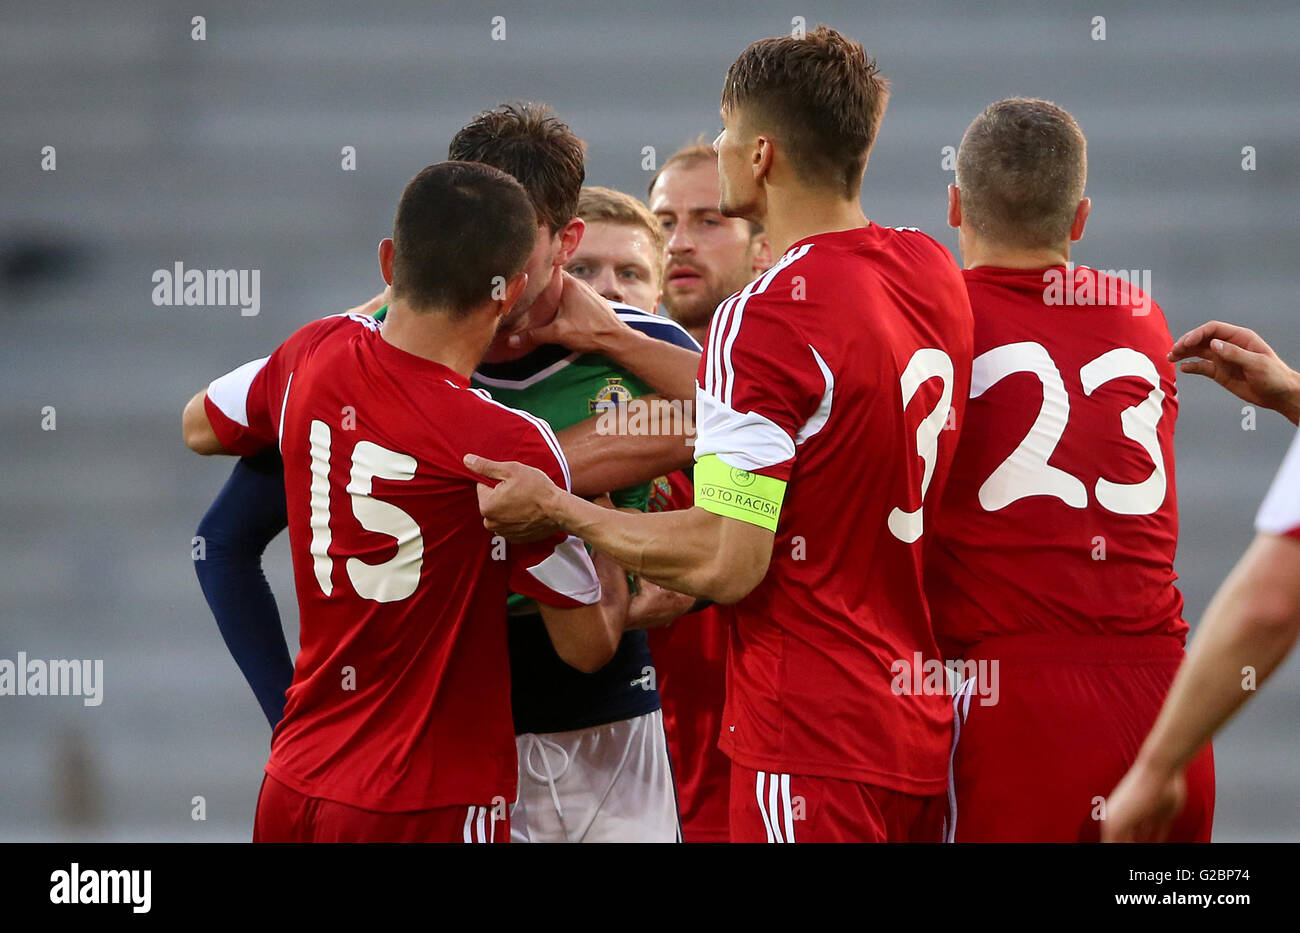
x: 230, y: 392
x: 568, y: 570
x: 747, y: 441
x: 823, y: 412
x: 1280, y: 511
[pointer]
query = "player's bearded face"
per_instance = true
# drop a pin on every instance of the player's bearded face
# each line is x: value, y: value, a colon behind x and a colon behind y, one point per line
x: 708, y: 256
x: 731, y: 265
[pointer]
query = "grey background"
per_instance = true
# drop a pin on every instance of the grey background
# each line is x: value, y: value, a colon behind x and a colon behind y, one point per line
x: 225, y: 153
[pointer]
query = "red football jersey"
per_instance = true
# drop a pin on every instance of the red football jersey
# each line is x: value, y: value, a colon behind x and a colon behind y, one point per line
x: 690, y: 661
x: 1279, y: 513
x: 401, y: 691
x: 1060, y: 514
x: 837, y: 370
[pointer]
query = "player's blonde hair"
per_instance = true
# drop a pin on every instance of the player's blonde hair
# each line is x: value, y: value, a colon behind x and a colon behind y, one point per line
x: 605, y: 205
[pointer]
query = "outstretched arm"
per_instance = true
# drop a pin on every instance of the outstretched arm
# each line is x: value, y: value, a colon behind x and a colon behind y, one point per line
x: 1248, y: 629
x: 246, y: 515
x: 692, y: 551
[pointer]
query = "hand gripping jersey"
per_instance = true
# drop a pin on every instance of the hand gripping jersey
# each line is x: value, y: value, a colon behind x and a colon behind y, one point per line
x: 823, y: 397
x: 401, y: 691
x: 1060, y: 515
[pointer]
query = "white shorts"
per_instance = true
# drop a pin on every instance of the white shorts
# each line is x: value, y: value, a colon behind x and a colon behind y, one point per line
x: 608, y: 783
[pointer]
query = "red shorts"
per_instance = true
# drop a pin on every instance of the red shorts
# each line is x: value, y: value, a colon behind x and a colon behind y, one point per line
x: 768, y: 807
x: 1069, y: 717
x: 284, y: 815
x: 690, y: 660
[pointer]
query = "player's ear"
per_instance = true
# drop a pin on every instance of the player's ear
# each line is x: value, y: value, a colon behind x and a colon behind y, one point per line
x: 570, y: 236
x: 954, y: 206
x: 514, y: 288
x: 1080, y: 218
x: 761, y: 158
x: 386, y: 259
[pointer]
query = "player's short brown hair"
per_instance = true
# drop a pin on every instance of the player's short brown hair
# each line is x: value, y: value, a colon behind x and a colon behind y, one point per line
x: 528, y: 141
x: 605, y: 205
x: 461, y: 228
x: 696, y: 152
x: 821, y: 95
x: 1021, y: 170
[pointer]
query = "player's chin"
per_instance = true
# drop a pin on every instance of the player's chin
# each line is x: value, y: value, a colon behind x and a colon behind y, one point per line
x: 690, y: 310
x: 746, y: 210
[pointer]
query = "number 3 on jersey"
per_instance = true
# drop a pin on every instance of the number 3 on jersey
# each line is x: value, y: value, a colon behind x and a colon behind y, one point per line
x: 926, y: 363
x: 394, y: 579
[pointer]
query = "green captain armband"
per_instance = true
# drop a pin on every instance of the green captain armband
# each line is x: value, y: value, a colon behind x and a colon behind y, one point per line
x: 735, y: 493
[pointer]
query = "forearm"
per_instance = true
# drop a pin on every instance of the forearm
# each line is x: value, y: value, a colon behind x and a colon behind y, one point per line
x: 1281, y: 392
x: 587, y: 638
x: 668, y: 369
x: 601, y: 462
x: 1248, y: 629
x: 246, y: 515
x: 692, y: 551
x: 614, y: 601
x: 669, y: 548
x: 1289, y: 405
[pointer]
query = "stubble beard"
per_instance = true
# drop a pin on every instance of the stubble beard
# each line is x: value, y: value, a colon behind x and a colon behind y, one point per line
x: 698, y: 311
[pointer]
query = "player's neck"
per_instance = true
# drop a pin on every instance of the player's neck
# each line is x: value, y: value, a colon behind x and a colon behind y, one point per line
x: 438, y: 337
x: 794, y: 214
x: 983, y: 253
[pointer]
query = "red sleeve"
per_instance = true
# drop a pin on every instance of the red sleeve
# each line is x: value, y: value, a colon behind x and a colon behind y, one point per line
x: 761, y: 386
x: 558, y: 570
x: 244, y: 405
x: 238, y: 407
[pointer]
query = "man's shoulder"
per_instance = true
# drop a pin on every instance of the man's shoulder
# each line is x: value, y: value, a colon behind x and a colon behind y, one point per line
x: 512, y: 433
x: 658, y: 326
x: 326, y: 330
x: 491, y: 416
x: 348, y: 322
